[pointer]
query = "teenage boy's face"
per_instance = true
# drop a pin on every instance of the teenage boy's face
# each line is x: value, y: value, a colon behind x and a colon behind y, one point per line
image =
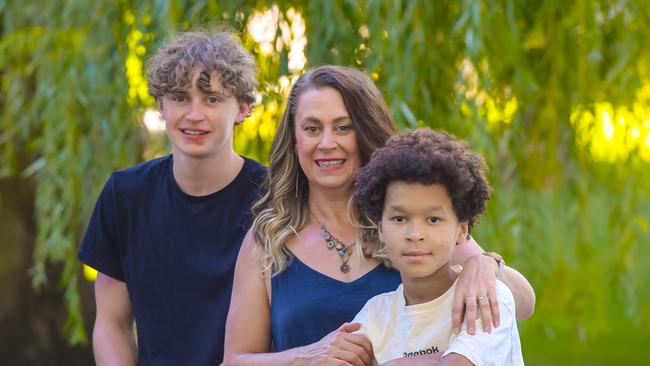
x: 199, y: 122
x: 420, y: 229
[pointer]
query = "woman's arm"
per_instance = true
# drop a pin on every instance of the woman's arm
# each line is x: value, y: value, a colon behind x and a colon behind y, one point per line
x: 248, y: 328
x: 478, y: 279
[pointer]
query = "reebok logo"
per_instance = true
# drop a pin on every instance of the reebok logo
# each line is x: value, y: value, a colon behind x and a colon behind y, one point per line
x: 428, y: 351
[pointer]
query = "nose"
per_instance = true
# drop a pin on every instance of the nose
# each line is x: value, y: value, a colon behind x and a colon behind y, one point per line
x: 195, y: 111
x: 327, y: 141
x: 414, y: 234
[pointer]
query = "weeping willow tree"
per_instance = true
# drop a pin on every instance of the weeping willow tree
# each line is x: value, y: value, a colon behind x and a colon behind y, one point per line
x: 555, y: 94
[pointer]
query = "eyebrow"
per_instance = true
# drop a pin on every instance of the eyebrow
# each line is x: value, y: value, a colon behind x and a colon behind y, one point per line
x: 400, y: 209
x: 208, y: 92
x: 336, y: 120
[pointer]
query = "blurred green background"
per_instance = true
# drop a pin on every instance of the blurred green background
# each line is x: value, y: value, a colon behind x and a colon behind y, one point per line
x: 555, y: 94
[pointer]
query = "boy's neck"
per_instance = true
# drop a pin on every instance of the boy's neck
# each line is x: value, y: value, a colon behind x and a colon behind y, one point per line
x: 201, y: 177
x: 421, y: 290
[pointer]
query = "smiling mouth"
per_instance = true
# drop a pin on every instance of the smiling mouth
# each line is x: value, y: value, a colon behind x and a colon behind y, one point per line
x: 329, y: 163
x: 193, y: 132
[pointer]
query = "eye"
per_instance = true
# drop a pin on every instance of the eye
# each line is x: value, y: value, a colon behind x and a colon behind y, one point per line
x: 397, y: 219
x: 433, y: 220
x: 179, y: 98
x: 311, y: 129
x: 344, y: 128
x: 212, y: 100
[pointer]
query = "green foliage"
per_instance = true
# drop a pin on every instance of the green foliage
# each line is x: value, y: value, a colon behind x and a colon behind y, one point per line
x: 506, y: 75
x: 64, y: 122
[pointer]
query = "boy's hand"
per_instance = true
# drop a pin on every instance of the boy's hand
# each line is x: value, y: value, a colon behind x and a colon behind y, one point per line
x: 476, y: 280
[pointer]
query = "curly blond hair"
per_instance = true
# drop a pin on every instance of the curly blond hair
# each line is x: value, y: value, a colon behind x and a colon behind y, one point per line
x: 172, y: 67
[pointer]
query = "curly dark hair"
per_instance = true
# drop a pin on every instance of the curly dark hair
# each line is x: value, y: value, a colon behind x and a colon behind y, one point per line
x: 428, y: 157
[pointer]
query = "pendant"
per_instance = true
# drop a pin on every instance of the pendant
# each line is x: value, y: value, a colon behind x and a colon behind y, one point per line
x: 325, y: 234
x: 345, y: 268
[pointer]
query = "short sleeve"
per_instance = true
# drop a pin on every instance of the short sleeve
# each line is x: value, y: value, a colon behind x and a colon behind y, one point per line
x: 362, y: 318
x: 100, y: 245
x: 501, y: 346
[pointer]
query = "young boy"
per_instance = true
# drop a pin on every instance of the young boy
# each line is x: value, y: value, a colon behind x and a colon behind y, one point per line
x: 425, y: 190
x: 165, y: 234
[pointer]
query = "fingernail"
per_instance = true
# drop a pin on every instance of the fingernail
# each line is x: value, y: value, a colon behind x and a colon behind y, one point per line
x: 456, y: 330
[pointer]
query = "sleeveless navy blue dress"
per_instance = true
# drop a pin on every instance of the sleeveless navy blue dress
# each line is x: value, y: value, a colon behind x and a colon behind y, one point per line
x: 306, y: 305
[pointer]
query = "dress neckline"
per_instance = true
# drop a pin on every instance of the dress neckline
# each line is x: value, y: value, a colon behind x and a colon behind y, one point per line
x: 295, y: 257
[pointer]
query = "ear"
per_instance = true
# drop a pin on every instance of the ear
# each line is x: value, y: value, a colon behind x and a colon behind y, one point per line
x: 380, y: 231
x: 242, y: 113
x: 463, y: 230
x: 159, y: 105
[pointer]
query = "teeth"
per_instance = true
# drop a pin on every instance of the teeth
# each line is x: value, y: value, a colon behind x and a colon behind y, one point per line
x: 190, y: 132
x: 326, y: 164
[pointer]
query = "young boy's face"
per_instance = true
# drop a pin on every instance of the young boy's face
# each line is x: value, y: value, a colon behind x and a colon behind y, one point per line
x: 419, y: 228
x: 199, y: 122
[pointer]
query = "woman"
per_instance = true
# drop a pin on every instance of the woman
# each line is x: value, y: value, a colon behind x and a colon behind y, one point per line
x: 298, y: 278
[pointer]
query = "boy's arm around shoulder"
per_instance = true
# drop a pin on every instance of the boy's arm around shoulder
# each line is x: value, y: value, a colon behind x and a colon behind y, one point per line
x: 113, y: 337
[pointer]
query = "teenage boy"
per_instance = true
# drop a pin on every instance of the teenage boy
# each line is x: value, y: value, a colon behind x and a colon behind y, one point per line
x: 165, y: 234
x: 425, y: 190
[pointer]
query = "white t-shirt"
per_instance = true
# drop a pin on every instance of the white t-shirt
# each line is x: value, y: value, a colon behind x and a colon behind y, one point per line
x: 396, y: 330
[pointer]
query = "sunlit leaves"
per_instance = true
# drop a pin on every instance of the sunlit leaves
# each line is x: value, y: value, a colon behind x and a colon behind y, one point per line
x: 555, y: 94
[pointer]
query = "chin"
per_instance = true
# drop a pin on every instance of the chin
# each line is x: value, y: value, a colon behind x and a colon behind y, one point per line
x: 415, y: 274
x: 194, y: 153
x: 331, y: 185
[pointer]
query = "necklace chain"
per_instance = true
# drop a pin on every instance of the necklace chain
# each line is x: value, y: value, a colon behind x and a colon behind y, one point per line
x: 344, y: 250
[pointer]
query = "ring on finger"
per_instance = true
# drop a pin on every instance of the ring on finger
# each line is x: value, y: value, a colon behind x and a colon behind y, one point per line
x: 483, y: 298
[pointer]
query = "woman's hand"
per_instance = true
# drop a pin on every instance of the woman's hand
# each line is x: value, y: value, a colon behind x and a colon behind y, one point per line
x: 477, y: 279
x: 341, y: 347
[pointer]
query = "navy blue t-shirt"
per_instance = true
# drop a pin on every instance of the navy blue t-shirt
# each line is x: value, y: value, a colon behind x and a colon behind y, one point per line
x: 176, y: 253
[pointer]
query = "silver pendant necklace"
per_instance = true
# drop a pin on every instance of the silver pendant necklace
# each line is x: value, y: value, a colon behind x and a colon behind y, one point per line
x: 344, y: 250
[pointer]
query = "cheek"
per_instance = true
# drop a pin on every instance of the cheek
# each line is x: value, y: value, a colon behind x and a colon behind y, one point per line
x: 300, y: 149
x: 389, y: 238
x: 353, y: 146
x: 171, y: 115
x: 299, y: 146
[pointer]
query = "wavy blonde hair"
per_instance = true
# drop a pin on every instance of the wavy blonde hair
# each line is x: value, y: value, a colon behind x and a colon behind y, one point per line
x: 282, y: 212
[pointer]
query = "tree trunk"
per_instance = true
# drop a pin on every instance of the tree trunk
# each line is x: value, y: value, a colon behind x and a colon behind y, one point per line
x: 31, y: 322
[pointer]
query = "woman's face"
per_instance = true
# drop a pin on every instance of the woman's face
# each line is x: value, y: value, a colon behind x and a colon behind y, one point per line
x: 326, y: 143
